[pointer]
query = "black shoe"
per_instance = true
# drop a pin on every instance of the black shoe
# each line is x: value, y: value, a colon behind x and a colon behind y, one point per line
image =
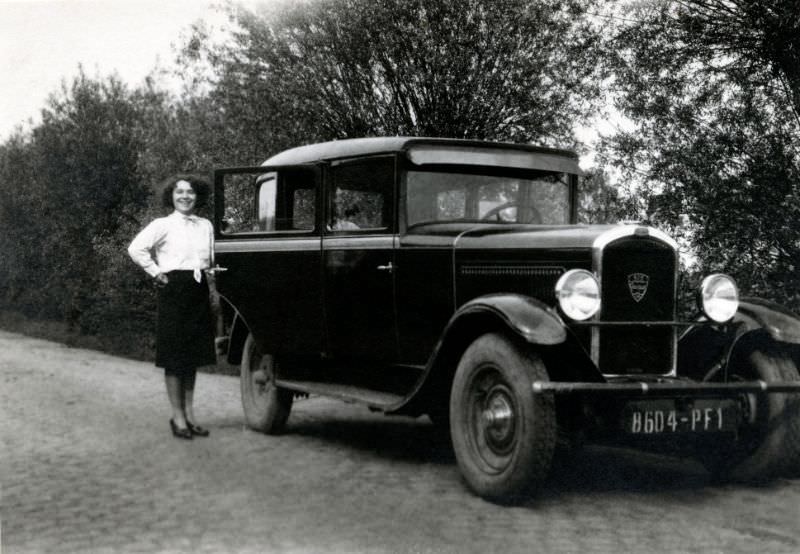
x: 196, y: 429
x: 180, y: 433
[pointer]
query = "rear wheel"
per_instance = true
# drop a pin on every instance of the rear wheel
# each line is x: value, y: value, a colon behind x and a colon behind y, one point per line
x: 503, y: 435
x: 770, y: 441
x: 266, y: 406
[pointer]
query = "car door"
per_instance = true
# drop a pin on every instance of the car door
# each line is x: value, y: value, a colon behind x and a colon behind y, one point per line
x: 268, y: 237
x: 358, y: 257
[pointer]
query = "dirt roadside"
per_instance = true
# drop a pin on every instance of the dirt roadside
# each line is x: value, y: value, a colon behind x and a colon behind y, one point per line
x: 88, y: 465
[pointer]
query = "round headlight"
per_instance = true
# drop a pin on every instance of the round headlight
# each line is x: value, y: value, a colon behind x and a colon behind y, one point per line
x: 719, y: 297
x: 578, y: 294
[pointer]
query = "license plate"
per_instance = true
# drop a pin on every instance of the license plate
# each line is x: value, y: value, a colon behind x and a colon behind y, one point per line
x: 654, y: 417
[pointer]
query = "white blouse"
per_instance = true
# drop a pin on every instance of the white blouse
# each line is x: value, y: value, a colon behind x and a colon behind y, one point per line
x: 176, y: 241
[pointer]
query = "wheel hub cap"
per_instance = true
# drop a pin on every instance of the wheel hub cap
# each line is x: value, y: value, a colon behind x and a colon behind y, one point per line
x: 260, y: 378
x: 498, y: 420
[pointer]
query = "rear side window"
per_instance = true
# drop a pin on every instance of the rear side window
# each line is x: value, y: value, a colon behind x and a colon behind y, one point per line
x: 273, y: 202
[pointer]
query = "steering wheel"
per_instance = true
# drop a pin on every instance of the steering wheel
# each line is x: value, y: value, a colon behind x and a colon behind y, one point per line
x: 531, y: 214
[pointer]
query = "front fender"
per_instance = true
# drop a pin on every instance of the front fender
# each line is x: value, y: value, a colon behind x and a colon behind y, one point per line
x: 532, y: 320
x: 705, y: 347
x: 237, y: 331
x: 756, y: 314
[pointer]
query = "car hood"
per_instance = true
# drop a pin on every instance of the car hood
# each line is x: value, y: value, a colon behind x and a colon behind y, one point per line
x: 515, y: 237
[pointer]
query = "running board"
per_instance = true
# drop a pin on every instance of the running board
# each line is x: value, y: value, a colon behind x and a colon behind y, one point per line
x: 348, y: 393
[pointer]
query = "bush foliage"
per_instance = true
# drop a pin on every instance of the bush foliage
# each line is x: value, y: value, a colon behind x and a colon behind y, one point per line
x: 714, y: 103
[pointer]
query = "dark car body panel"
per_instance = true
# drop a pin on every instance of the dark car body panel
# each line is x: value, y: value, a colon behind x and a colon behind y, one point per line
x: 270, y: 286
x: 354, y: 287
x: 442, y: 267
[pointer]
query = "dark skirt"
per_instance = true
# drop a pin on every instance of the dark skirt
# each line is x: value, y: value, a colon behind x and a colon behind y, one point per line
x: 185, y: 331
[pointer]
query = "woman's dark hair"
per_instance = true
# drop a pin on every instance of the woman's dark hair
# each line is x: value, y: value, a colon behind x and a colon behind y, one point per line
x: 200, y: 186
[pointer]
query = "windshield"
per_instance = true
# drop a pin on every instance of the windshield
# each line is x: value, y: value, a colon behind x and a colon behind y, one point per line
x: 438, y: 197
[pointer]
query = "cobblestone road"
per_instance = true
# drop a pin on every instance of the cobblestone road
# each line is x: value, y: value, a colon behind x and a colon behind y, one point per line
x: 88, y: 465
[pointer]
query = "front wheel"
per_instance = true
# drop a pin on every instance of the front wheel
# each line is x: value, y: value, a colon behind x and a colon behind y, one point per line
x: 770, y: 442
x: 503, y: 435
x: 266, y: 406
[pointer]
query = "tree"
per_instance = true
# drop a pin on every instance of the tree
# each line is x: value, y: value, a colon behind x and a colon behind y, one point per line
x: 712, y: 87
x: 515, y: 70
x: 74, y: 190
x: 754, y: 38
x: 20, y: 211
x: 601, y: 202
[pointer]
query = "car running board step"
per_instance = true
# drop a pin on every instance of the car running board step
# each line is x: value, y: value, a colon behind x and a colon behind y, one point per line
x: 348, y: 393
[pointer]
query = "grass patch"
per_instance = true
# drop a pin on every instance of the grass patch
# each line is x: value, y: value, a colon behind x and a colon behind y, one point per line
x: 59, y: 331
x: 56, y: 331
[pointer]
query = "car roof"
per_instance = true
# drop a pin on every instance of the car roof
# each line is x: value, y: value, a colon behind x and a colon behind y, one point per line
x: 347, y: 148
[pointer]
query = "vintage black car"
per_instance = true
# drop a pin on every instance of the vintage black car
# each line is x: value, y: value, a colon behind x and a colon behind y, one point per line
x: 451, y: 278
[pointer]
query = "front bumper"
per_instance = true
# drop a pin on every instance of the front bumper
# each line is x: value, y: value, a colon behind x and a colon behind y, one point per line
x: 659, y: 409
x: 677, y: 388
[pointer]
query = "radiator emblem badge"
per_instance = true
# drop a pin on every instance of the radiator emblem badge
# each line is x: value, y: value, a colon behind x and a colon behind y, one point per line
x: 637, y: 284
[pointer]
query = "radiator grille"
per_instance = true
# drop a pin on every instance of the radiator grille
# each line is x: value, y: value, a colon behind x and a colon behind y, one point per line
x: 638, y: 284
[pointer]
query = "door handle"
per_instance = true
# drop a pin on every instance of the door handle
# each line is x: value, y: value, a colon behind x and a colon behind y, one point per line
x: 388, y: 267
x: 217, y: 269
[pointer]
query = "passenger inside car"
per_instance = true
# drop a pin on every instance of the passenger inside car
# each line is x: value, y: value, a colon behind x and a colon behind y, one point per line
x: 346, y: 223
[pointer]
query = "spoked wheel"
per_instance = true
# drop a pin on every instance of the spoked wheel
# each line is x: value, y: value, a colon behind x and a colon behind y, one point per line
x: 770, y: 439
x: 266, y: 406
x: 492, y: 419
x: 503, y: 435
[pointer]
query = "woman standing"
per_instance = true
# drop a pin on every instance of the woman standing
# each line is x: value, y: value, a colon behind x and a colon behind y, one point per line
x: 175, y: 250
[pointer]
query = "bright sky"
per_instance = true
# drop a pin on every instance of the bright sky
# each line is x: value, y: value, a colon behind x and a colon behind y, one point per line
x: 43, y: 41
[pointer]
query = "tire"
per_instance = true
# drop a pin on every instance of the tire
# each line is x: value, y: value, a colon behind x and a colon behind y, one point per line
x: 503, y: 435
x: 266, y: 406
x: 791, y: 423
x: 792, y: 466
x: 770, y: 443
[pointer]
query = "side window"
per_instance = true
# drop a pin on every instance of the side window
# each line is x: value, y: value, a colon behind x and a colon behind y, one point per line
x: 551, y: 196
x: 238, y: 215
x: 270, y: 202
x: 303, y: 208
x: 361, y: 195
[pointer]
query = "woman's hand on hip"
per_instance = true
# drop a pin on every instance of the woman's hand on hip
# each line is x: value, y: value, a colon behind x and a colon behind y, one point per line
x: 161, y: 280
